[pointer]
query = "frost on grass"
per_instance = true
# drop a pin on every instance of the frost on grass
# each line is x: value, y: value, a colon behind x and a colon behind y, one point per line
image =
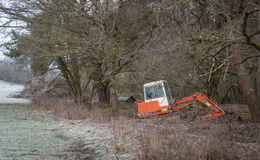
x: 95, y: 136
x: 22, y: 136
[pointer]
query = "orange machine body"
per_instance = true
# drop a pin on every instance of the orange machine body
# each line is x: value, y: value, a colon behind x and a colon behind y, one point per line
x: 158, y: 101
x: 151, y: 108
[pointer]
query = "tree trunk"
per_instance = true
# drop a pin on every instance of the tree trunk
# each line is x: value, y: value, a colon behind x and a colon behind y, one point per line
x: 73, y: 82
x: 75, y: 72
x: 246, y: 89
x: 103, y: 93
x: 114, y: 103
x: 255, y: 76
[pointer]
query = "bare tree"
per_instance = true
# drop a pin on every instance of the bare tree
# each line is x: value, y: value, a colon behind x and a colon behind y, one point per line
x: 91, y: 41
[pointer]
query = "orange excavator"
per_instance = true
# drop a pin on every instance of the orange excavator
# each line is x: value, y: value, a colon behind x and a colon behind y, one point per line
x: 158, y: 100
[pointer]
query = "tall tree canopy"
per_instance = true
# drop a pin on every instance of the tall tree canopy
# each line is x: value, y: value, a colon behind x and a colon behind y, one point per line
x: 105, y: 47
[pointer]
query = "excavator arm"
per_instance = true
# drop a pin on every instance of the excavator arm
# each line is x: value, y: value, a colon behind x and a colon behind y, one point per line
x: 178, y: 105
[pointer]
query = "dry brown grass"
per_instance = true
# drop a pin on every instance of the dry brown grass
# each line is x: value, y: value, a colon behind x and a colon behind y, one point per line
x: 61, y: 108
x: 179, y: 136
x: 172, y: 138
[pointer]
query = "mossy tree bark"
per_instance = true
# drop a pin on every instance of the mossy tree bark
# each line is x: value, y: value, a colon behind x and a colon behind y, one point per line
x: 71, y: 75
x: 246, y: 88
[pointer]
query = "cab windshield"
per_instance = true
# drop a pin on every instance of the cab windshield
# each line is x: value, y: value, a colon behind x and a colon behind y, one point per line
x: 155, y: 91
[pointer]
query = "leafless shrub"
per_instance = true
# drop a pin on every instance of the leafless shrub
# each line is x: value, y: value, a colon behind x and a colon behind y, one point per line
x: 209, y: 140
x: 180, y: 139
x: 170, y: 144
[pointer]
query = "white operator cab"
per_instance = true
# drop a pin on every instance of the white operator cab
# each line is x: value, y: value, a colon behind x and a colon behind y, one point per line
x: 158, y: 91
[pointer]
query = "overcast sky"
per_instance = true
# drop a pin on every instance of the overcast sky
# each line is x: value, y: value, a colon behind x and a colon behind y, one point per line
x: 3, y: 32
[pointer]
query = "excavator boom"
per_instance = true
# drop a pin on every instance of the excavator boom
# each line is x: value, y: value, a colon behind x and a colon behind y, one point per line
x: 178, y: 105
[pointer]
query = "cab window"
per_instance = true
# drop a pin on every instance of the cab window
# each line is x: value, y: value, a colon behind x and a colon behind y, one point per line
x: 155, y: 91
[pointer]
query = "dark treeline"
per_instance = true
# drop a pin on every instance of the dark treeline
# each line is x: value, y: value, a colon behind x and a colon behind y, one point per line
x: 14, y: 73
x: 105, y: 48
